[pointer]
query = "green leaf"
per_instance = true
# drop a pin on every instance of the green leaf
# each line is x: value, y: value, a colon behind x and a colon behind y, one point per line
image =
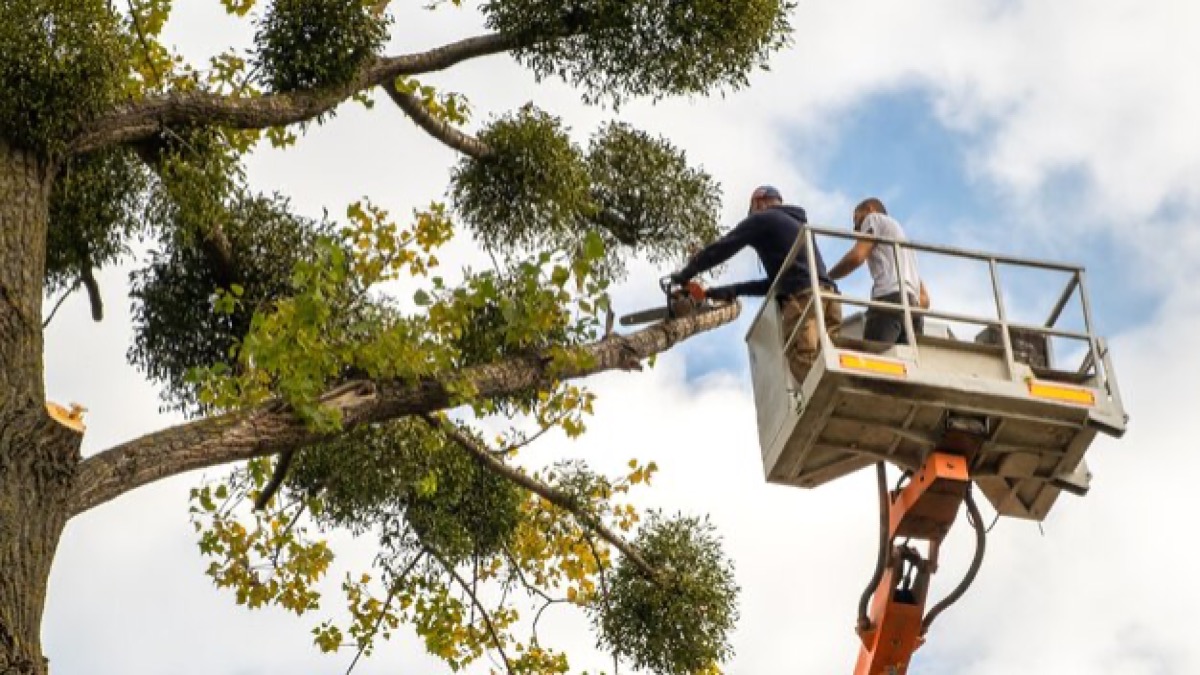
x: 593, y: 246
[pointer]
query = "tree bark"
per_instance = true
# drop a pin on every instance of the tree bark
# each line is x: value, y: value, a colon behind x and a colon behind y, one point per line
x: 24, y: 203
x: 271, y: 429
x: 143, y: 119
x: 38, y: 457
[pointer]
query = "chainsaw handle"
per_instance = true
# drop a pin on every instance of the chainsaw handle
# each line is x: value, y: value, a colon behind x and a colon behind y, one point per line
x: 690, y: 289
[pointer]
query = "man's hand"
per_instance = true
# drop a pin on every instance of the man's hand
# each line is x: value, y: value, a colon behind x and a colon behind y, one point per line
x: 721, y: 294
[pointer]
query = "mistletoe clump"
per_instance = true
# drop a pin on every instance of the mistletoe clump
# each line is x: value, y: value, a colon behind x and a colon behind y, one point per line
x: 537, y: 191
x: 304, y: 44
x: 407, y: 472
x: 613, y: 50
x: 531, y: 190
x: 177, y: 325
x: 662, y: 205
x: 679, y: 622
x: 62, y: 64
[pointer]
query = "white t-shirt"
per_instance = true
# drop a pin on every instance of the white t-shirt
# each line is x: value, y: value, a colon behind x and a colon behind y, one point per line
x: 882, y: 260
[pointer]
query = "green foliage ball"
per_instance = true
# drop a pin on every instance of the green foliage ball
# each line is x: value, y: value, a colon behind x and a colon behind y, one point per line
x: 306, y: 44
x: 61, y: 65
x: 176, y: 327
x: 530, y: 191
x: 537, y: 191
x: 405, y: 472
x: 465, y: 510
x: 365, y: 475
x: 665, y: 205
x: 618, y: 48
x: 679, y: 624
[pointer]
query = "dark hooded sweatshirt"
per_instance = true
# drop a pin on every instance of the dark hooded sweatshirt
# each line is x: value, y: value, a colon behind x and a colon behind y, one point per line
x: 770, y: 233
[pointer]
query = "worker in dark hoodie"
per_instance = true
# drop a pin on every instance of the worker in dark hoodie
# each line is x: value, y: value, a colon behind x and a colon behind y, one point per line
x: 770, y: 229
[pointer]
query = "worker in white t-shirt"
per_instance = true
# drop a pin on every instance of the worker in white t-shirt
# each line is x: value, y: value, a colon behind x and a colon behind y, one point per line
x: 870, y: 217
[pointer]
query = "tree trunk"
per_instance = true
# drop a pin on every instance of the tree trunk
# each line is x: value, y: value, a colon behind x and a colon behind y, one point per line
x: 24, y: 200
x: 38, y: 457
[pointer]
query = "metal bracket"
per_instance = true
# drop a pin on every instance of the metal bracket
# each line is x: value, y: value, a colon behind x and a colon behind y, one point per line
x: 1077, y: 482
x: 797, y: 397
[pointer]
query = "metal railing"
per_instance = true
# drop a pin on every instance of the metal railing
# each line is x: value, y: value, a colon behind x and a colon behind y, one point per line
x: 1075, y: 284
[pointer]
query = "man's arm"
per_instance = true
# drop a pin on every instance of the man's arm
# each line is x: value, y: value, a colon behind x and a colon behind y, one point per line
x: 924, y: 299
x: 758, y: 287
x: 720, y: 250
x: 852, y: 260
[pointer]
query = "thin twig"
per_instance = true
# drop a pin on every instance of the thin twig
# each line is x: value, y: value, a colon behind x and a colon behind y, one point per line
x: 487, y: 619
x: 550, y: 494
x: 74, y: 287
x: 137, y: 27
x: 516, y: 567
x: 604, y: 591
x: 287, y: 530
x: 392, y: 592
x: 513, y: 447
x: 538, y: 617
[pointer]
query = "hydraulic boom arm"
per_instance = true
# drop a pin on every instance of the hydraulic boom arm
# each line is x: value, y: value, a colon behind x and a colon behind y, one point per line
x: 924, y: 509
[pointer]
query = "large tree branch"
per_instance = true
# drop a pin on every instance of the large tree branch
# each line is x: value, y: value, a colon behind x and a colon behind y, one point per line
x: 270, y: 428
x: 439, y: 129
x: 143, y: 119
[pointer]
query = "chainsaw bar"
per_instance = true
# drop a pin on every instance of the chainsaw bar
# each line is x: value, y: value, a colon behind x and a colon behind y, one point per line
x: 645, y: 316
x: 662, y: 313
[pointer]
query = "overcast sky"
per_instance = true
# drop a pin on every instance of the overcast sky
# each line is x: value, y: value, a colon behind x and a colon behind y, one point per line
x: 1060, y: 129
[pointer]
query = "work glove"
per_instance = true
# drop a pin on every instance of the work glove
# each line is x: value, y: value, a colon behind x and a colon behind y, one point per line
x: 721, y: 294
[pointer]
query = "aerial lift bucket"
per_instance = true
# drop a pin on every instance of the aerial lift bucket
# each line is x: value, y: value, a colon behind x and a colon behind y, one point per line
x: 1028, y: 424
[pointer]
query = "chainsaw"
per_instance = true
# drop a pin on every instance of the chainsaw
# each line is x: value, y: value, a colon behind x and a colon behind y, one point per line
x: 682, y: 300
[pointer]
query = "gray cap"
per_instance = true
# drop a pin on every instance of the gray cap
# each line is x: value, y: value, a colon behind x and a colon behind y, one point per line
x: 766, y: 192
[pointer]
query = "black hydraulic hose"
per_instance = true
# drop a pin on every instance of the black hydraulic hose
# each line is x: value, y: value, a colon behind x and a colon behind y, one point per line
x: 864, y: 621
x: 980, y: 542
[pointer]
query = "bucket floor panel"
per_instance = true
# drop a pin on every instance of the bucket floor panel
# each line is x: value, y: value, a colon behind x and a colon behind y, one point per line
x: 847, y: 427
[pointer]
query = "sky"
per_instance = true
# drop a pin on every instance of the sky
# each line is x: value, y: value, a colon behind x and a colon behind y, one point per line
x: 1057, y: 129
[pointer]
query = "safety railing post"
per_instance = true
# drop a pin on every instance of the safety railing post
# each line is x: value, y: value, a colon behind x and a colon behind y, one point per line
x: 908, y: 320
x: 1005, y: 337
x: 1090, y: 329
x: 818, y: 295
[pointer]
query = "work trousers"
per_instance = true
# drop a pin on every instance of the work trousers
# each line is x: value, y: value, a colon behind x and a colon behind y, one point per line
x: 807, y: 344
x: 888, y: 326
